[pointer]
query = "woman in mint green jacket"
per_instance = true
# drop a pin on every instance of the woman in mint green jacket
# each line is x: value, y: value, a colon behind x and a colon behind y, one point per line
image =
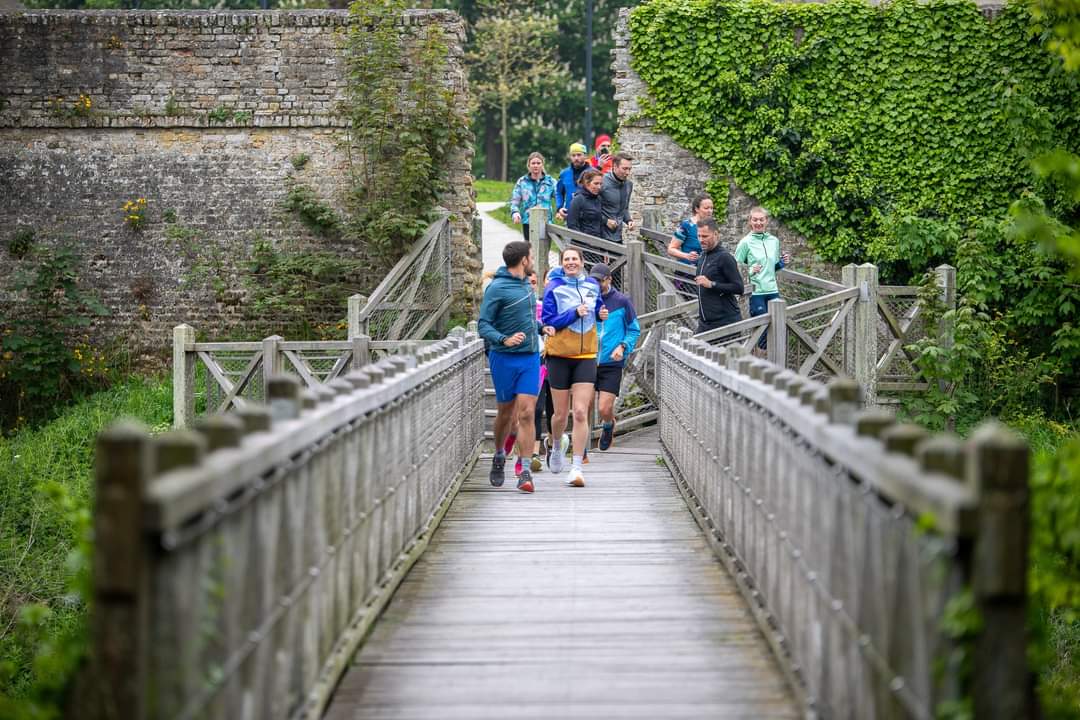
x: 760, y: 252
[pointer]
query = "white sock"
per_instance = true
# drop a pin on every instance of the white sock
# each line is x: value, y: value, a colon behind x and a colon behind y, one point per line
x: 576, y: 464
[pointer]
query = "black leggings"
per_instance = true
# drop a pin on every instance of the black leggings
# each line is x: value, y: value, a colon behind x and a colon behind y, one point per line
x: 543, y: 403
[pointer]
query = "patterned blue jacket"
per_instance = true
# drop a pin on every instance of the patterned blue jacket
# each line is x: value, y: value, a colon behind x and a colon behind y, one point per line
x: 529, y: 192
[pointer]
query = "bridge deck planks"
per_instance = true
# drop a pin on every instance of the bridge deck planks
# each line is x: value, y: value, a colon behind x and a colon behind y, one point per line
x: 571, y: 603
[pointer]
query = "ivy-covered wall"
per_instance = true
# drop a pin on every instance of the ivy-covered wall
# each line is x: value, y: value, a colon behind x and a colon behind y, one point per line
x: 878, y: 132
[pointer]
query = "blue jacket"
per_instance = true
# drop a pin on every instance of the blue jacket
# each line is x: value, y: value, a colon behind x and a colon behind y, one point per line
x: 509, y: 306
x: 620, y: 328
x: 575, y: 337
x: 567, y: 186
x: 528, y: 192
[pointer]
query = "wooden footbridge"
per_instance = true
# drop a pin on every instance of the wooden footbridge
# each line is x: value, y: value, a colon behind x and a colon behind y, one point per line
x: 766, y: 549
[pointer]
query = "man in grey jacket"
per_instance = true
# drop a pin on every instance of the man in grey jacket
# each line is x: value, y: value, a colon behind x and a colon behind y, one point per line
x: 615, y: 198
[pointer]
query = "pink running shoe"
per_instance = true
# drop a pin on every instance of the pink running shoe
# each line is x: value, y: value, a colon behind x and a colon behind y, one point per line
x: 517, y: 467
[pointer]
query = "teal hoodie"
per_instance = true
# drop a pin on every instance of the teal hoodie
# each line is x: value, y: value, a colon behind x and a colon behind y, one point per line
x: 509, y: 306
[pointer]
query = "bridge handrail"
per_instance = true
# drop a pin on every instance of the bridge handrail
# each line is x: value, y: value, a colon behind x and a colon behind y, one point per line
x: 851, y: 536
x: 239, y: 565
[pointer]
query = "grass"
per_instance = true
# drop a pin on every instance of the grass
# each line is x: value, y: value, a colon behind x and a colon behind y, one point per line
x: 37, y: 533
x: 493, y: 190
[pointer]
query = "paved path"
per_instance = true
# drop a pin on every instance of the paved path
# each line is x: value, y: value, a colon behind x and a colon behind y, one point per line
x: 496, y: 235
x: 600, y: 602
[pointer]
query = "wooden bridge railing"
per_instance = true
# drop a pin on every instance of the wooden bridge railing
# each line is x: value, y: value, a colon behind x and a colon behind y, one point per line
x: 855, y: 539
x: 239, y: 565
x: 820, y: 329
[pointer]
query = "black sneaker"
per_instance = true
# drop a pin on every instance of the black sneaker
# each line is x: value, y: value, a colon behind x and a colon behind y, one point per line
x: 498, y: 463
x: 607, y: 434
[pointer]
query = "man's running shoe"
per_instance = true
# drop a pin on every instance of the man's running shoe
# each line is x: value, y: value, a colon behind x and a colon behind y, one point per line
x: 607, y: 434
x: 525, y: 483
x: 498, y: 465
x: 517, y: 467
x: 575, y: 478
x: 508, y: 444
x: 536, y: 465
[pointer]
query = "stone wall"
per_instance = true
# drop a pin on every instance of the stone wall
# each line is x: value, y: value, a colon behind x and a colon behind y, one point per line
x: 202, y: 114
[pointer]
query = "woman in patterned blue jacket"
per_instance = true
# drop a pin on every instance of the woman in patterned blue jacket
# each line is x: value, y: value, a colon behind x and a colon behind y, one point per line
x: 534, y: 188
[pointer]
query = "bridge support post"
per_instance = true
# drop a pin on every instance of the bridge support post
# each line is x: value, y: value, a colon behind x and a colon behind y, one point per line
x: 183, y: 375
x: 778, y: 332
x: 541, y: 243
x: 356, y: 325
x: 634, y: 279
x: 119, y: 632
x: 271, y: 361
x: 998, y: 469
x: 866, y: 332
x: 946, y: 280
x: 361, y: 351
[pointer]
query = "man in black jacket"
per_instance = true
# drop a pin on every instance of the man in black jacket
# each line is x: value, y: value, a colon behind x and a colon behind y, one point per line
x: 718, y: 280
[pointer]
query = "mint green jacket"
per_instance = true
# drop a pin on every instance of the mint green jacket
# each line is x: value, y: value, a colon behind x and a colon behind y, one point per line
x: 761, y: 249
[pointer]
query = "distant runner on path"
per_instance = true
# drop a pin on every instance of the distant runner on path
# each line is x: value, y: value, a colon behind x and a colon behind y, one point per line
x: 508, y: 326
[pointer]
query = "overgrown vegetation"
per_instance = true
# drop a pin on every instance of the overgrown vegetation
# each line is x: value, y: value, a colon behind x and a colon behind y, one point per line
x: 44, y: 359
x: 402, y: 130
x: 44, y: 561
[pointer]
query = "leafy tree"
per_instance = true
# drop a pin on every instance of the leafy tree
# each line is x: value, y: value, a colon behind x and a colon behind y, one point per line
x: 512, y: 54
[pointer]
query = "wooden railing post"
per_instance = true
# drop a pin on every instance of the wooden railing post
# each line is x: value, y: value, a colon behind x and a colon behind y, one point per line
x: 946, y: 280
x: 998, y: 468
x: 777, y: 332
x: 541, y: 243
x: 356, y: 325
x: 271, y: 361
x: 183, y: 375
x: 634, y: 280
x: 848, y: 278
x: 120, y: 635
x: 866, y: 332
x: 361, y: 351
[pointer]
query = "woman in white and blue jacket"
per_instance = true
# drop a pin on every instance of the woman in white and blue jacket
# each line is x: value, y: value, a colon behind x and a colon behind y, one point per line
x: 570, y: 312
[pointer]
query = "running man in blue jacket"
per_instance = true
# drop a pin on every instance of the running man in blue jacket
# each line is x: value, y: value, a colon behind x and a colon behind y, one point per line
x: 508, y: 325
x: 618, y: 336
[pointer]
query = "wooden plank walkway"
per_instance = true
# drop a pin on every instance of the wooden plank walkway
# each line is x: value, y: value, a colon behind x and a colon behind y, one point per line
x: 599, y: 602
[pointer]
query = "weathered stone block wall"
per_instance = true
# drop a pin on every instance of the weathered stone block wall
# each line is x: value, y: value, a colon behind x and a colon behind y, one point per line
x: 202, y: 114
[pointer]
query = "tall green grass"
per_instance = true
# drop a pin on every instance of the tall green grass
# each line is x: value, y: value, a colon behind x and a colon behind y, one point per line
x: 493, y: 190
x: 46, y: 481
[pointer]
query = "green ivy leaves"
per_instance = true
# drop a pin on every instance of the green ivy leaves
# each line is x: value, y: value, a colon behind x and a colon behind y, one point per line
x: 850, y: 120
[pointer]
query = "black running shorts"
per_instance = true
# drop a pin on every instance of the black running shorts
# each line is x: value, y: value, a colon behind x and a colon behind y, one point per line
x: 608, y: 378
x: 564, y: 372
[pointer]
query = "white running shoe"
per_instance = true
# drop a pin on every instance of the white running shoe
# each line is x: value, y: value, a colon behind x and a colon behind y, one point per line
x: 575, y: 478
x: 555, y: 461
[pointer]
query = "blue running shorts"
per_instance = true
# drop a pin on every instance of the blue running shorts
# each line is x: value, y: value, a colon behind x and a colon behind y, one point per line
x: 514, y: 374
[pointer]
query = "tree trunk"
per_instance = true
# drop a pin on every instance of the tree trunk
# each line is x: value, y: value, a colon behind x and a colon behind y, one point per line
x: 505, y: 146
x: 492, y: 150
